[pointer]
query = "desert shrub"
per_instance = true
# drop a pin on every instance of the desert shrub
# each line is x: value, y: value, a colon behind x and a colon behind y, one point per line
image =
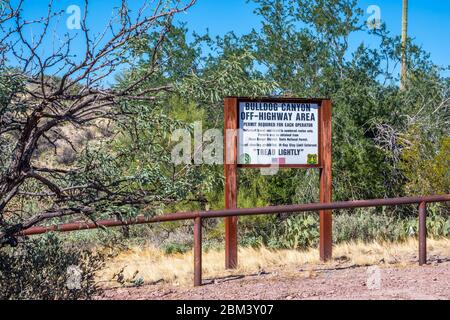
x: 426, y: 164
x: 174, y: 248
x: 46, y: 269
x: 89, y: 135
x: 377, y: 225
x: 111, y: 238
x: 438, y: 221
x: 296, y: 232
x: 368, y: 225
x: 68, y: 156
x: 280, y: 232
x: 302, y: 231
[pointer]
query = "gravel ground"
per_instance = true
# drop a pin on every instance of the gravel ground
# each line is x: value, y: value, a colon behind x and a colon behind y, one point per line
x: 330, y: 282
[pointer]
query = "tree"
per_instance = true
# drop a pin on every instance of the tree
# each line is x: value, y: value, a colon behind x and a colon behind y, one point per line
x: 303, y: 47
x: 43, y: 91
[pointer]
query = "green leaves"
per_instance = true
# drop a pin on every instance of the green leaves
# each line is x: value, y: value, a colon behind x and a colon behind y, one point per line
x: 48, y: 269
x: 231, y: 75
x: 296, y: 232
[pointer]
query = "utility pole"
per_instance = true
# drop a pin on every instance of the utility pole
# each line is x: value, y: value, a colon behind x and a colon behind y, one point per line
x: 404, y: 45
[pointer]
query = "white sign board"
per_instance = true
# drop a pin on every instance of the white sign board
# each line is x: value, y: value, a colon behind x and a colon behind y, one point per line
x: 278, y: 133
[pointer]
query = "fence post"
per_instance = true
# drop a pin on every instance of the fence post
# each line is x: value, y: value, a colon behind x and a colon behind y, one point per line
x: 422, y: 233
x: 198, y: 252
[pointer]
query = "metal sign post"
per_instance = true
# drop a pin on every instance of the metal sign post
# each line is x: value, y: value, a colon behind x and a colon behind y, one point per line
x: 277, y: 133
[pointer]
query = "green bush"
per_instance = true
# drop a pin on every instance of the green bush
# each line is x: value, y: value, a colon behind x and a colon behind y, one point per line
x: 379, y: 225
x: 368, y: 225
x: 280, y: 232
x: 302, y: 231
x: 296, y: 232
x: 45, y: 269
x: 174, y: 248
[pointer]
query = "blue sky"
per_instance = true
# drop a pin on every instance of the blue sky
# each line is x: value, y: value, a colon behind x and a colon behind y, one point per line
x: 429, y: 19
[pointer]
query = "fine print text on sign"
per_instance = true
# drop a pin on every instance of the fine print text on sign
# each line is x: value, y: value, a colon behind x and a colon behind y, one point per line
x: 278, y: 133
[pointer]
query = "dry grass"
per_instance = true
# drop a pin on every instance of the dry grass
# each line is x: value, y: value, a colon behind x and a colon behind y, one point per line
x: 153, y: 265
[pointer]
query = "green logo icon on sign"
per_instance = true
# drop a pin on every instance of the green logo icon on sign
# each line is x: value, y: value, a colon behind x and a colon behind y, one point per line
x: 313, y: 159
x: 245, y: 159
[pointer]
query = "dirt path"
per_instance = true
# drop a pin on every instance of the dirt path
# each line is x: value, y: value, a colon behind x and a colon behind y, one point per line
x: 320, y: 282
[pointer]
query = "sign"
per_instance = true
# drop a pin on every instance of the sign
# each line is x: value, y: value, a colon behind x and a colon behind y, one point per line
x: 287, y: 133
x: 278, y: 132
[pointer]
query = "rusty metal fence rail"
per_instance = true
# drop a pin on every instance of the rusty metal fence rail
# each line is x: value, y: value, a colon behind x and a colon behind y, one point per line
x: 198, y: 217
